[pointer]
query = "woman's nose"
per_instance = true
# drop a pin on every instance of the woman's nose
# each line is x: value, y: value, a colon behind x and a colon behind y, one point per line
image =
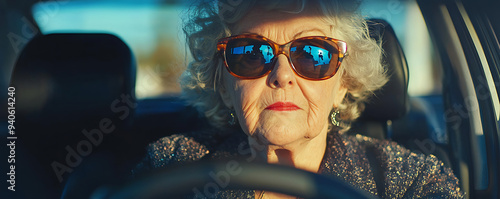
x: 282, y: 75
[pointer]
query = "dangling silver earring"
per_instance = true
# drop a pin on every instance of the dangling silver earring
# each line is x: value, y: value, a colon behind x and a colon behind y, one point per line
x: 334, y: 119
x: 232, y: 119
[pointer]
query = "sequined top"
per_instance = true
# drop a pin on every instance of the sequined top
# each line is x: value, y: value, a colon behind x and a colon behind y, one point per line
x: 358, y: 160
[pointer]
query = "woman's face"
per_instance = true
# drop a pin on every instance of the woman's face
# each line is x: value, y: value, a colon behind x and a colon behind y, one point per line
x: 258, y: 103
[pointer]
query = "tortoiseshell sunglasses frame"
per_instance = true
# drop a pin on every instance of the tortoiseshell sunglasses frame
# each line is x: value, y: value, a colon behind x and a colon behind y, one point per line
x: 281, y: 49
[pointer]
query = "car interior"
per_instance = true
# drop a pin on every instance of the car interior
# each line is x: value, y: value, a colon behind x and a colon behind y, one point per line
x: 82, y: 128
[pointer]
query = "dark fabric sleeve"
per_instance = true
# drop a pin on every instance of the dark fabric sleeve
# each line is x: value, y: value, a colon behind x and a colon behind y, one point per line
x: 434, y: 181
x: 411, y: 175
x: 174, y: 149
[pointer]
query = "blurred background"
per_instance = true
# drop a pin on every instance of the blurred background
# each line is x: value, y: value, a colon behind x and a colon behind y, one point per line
x: 152, y: 29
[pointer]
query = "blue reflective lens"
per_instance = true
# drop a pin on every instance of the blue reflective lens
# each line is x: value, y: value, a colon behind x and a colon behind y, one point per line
x: 319, y: 55
x: 249, y: 57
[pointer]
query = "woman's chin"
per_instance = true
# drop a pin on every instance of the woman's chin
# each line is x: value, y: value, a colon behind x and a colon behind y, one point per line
x: 280, y: 136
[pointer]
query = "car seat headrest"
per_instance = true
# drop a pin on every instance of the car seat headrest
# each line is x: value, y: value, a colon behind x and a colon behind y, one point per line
x: 391, y: 101
x: 67, y: 79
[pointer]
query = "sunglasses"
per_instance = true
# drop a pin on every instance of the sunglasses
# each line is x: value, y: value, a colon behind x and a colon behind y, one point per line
x: 251, y: 56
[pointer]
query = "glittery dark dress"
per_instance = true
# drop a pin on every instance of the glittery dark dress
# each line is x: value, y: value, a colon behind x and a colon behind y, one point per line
x: 400, y: 172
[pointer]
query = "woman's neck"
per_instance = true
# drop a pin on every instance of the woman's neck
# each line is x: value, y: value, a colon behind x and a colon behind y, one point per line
x: 306, y: 154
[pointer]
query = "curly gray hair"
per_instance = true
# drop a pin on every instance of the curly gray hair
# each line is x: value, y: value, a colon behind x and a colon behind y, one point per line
x: 207, y: 21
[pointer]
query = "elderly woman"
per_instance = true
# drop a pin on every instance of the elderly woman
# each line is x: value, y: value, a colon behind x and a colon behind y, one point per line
x: 286, y: 78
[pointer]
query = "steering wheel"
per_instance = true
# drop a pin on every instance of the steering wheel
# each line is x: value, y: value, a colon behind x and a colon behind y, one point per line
x: 207, y: 178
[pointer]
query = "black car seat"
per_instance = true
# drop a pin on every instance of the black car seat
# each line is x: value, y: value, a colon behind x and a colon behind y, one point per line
x: 74, y: 98
x: 391, y: 113
x: 391, y: 102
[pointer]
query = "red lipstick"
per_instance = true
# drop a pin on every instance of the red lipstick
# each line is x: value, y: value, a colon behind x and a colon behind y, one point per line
x: 283, y: 106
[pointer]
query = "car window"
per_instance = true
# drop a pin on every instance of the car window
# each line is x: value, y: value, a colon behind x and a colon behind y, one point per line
x: 408, y: 23
x: 152, y: 29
